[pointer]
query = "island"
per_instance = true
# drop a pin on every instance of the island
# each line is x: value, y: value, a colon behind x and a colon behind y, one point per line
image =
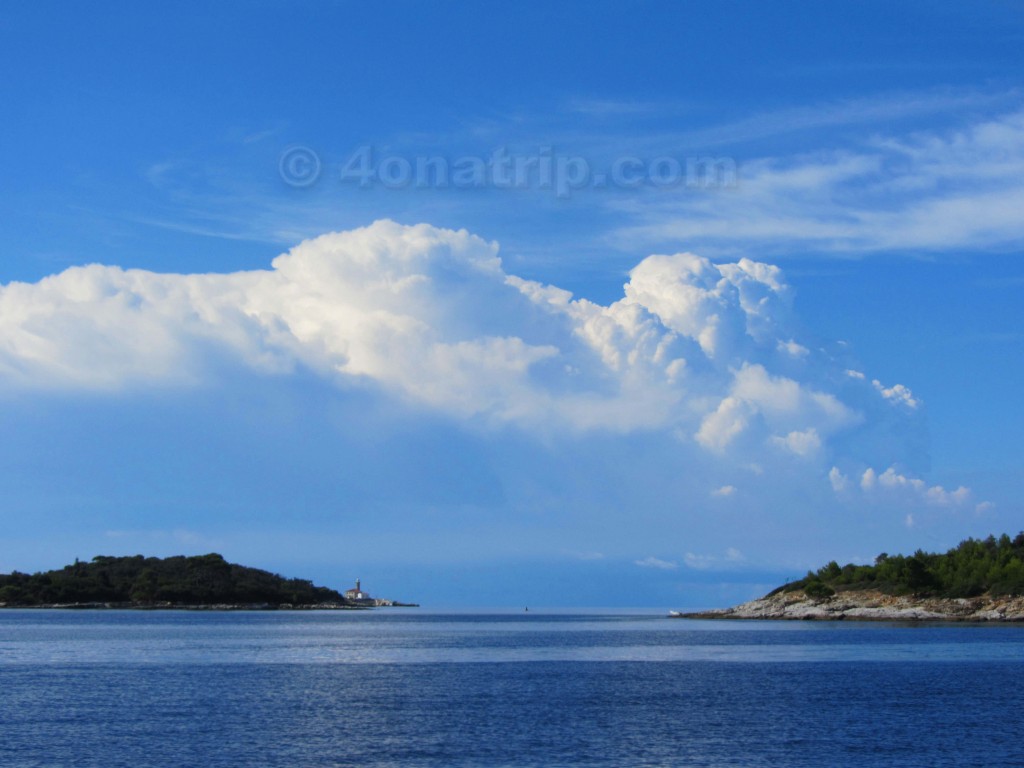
x: 978, y: 580
x: 199, y: 582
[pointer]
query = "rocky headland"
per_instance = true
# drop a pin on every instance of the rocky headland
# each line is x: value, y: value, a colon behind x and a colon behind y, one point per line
x: 871, y: 605
x: 977, y: 580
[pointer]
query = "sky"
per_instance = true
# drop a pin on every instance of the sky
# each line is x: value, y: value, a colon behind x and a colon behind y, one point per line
x: 639, y: 304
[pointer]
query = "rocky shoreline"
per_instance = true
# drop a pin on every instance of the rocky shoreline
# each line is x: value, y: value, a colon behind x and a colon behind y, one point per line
x: 865, y: 605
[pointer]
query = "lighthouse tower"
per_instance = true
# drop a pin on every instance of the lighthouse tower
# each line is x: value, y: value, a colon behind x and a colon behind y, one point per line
x: 356, y: 593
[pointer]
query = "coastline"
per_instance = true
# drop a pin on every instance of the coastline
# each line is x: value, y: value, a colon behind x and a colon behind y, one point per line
x: 869, y: 605
x: 204, y: 607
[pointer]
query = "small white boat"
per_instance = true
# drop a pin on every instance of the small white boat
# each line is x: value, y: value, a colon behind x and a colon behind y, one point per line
x: 674, y: 615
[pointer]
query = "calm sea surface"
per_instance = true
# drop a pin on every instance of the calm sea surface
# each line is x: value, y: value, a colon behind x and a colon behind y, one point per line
x: 410, y: 688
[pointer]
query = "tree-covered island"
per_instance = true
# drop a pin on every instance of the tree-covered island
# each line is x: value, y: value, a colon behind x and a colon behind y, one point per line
x: 150, y: 582
x: 978, y: 580
x: 971, y: 569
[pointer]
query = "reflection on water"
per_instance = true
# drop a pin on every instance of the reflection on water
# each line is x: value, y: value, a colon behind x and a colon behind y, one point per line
x: 60, y: 637
x: 420, y: 690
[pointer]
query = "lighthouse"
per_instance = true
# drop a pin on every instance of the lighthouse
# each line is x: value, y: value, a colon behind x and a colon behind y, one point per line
x: 356, y: 593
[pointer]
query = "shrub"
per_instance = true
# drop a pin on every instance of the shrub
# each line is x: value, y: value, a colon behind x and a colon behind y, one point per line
x: 818, y: 590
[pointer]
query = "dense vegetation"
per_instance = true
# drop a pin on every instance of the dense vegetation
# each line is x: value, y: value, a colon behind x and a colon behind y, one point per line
x: 201, y: 580
x: 975, y: 567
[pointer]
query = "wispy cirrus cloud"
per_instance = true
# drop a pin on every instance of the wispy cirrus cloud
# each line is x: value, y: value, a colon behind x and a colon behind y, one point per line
x: 868, y: 180
x: 921, y: 191
x: 654, y: 562
x: 885, y: 109
x: 731, y: 558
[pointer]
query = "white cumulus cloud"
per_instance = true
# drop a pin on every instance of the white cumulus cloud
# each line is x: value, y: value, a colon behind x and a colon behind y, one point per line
x: 705, y: 353
x: 891, y: 482
x: 897, y: 394
x: 838, y: 480
x: 804, y: 443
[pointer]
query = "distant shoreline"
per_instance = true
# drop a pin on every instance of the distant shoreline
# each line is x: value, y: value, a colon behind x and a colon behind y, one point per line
x: 227, y: 607
x: 197, y: 583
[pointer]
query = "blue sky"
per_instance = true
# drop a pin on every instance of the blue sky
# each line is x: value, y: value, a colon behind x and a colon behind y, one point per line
x: 501, y: 389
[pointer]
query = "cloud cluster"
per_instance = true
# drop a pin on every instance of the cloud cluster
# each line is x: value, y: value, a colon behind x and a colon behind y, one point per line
x: 892, y: 480
x: 707, y: 353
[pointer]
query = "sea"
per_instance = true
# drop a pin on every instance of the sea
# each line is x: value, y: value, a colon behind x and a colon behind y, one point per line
x: 408, y: 687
